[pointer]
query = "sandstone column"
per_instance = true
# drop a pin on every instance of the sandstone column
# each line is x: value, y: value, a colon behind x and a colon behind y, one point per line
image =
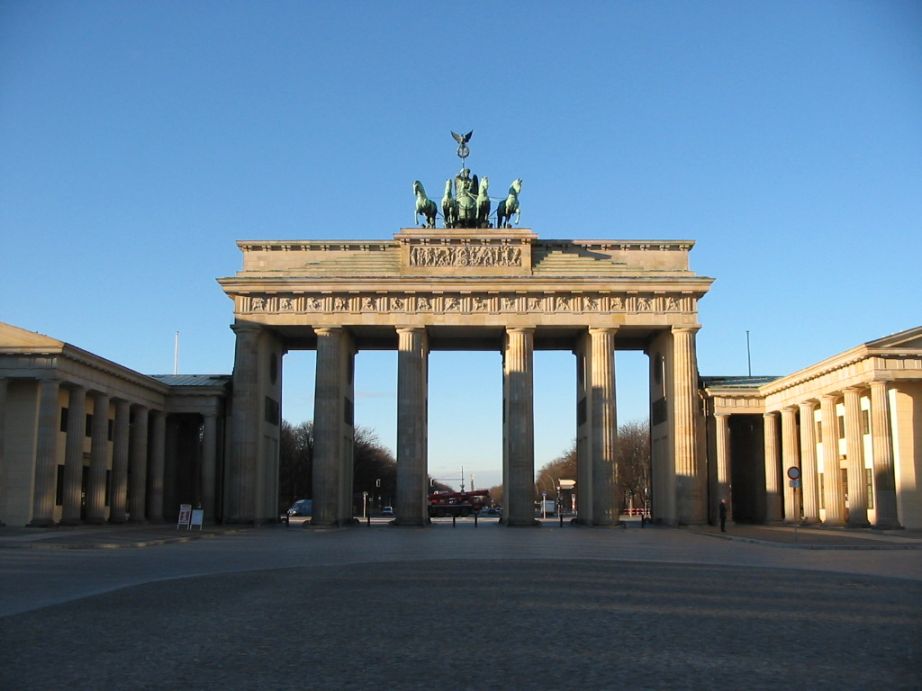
x: 412, y: 449
x: 606, y: 502
x: 789, y: 460
x: 834, y: 497
x: 773, y: 496
x: 99, y: 460
x: 520, y: 481
x: 3, y: 387
x: 808, y: 462
x: 209, y: 467
x: 137, y: 473
x: 157, y: 464
x: 118, y: 503
x: 246, y: 419
x: 46, y: 454
x: 332, y: 429
x: 583, y: 352
x: 884, y: 480
x: 73, y: 455
x: 723, y: 461
x: 690, y: 476
x: 857, y: 477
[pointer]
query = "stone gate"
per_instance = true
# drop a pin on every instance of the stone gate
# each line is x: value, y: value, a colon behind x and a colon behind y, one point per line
x: 480, y: 289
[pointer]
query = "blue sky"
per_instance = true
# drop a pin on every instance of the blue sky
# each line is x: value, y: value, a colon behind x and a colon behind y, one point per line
x: 140, y: 140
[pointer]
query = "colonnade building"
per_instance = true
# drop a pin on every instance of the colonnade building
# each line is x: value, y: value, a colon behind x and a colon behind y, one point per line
x: 85, y: 439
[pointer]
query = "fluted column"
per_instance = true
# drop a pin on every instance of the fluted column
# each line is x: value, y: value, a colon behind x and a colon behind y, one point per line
x: 246, y: 421
x: 138, y: 466
x: 789, y: 459
x: 884, y: 480
x: 3, y: 395
x: 722, y: 433
x: 73, y: 455
x: 412, y: 355
x: 690, y: 476
x: 520, y: 428
x: 329, y: 471
x: 46, y: 453
x: 118, y: 502
x: 209, y: 467
x: 857, y: 477
x: 808, y: 462
x: 99, y: 460
x: 604, y: 431
x: 157, y: 464
x: 773, y: 496
x: 834, y: 498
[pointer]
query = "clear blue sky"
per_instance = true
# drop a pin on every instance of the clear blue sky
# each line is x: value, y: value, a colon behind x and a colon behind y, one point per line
x: 139, y: 140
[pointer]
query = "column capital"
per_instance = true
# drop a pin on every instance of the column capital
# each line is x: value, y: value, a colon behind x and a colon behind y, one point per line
x: 686, y: 329
x: 853, y: 390
x: 409, y: 329
x: 829, y: 397
x: 245, y: 327
x: 327, y: 330
x: 520, y: 329
x: 603, y: 329
x: 769, y: 414
x: 809, y: 404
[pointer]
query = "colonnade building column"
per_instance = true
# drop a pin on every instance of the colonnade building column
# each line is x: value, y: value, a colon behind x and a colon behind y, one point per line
x: 46, y: 455
x: 773, y: 496
x: 240, y: 491
x: 118, y: 501
x: 99, y: 460
x: 333, y: 428
x: 722, y: 434
x: 833, y: 499
x: 808, y: 462
x: 882, y: 444
x: 157, y: 466
x: 209, y: 466
x: 137, y: 499
x: 519, y: 442
x: 857, y: 478
x: 789, y: 460
x: 604, y: 427
x: 73, y: 455
x: 3, y: 385
x: 412, y: 424
x: 690, y: 476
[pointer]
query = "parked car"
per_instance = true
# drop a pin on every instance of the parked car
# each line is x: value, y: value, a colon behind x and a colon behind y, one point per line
x: 302, y: 507
x: 387, y: 511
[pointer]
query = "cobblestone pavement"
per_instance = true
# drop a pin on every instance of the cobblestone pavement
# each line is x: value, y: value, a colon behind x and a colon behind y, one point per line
x: 457, y: 608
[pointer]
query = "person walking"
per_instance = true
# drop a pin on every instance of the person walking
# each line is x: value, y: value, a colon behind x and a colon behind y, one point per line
x: 723, y: 515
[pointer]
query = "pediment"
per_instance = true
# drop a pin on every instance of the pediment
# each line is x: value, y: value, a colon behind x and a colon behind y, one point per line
x: 911, y: 339
x: 15, y: 338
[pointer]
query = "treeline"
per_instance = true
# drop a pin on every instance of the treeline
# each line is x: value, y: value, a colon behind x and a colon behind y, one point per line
x: 633, y: 463
x: 374, y: 467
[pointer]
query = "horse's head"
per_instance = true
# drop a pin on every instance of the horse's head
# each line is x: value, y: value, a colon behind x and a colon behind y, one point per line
x: 418, y: 187
x: 516, y: 185
x: 484, y: 185
x: 448, y: 187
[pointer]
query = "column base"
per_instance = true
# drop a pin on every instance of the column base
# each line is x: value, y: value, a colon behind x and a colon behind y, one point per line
x: 41, y: 523
x: 519, y: 523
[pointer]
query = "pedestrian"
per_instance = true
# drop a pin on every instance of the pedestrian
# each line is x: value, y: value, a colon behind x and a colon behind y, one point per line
x: 723, y: 515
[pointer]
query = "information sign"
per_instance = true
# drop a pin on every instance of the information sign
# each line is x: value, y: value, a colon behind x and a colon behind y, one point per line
x: 198, y: 518
x: 185, y: 516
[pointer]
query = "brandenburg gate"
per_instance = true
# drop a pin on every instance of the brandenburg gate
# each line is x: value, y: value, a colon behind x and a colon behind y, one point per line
x: 462, y: 288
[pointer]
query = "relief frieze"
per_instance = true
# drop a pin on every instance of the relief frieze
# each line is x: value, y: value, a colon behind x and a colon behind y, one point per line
x: 465, y: 255
x: 467, y: 303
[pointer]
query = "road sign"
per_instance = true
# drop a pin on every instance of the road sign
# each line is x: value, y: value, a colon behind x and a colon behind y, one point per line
x: 794, y: 472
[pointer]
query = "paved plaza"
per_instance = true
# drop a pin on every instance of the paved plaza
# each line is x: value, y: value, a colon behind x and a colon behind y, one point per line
x: 459, y: 608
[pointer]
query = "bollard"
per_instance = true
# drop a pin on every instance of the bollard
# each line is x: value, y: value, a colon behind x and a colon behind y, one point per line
x: 475, y: 519
x: 368, y: 520
x: 453, y: 519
